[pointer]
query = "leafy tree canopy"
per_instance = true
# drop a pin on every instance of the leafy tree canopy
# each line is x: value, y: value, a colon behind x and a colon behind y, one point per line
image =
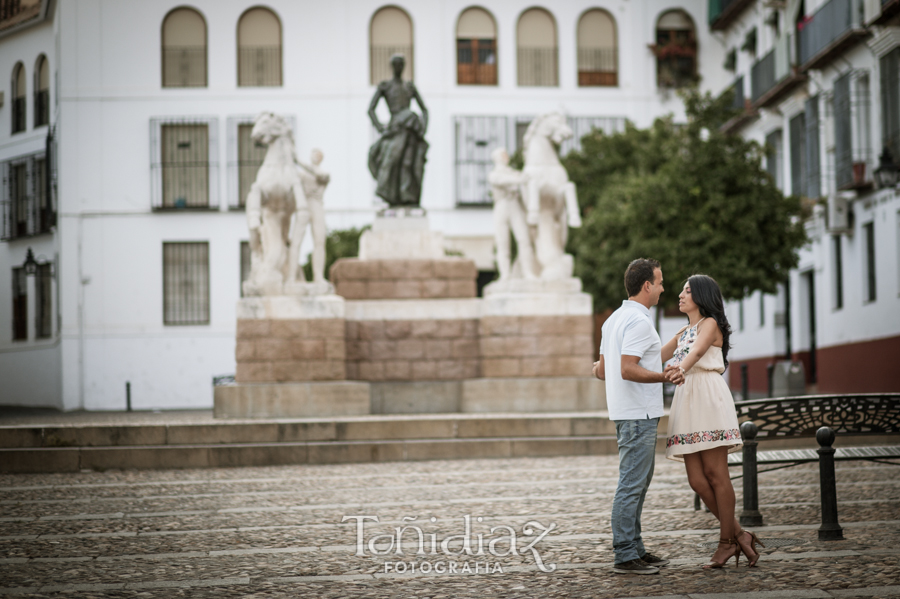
x: 688, y: 195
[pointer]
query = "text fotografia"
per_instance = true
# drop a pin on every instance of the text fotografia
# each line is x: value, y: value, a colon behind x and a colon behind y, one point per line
x: 443, y: 567
x: 502, y: 541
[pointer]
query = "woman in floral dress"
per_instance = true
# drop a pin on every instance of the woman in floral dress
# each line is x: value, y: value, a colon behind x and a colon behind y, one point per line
x: 703, y: 426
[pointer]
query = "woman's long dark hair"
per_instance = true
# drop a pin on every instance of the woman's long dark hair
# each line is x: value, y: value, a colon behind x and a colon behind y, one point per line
x: 706, y: 294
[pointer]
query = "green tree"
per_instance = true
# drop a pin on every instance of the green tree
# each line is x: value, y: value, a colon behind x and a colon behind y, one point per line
x: 688, y: 195
x: 341, y: 243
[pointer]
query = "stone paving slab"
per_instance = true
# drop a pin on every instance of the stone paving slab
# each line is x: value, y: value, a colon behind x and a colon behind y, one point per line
x: 277, y: 532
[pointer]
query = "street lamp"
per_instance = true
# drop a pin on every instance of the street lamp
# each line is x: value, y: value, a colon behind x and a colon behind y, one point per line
x: 886, y: 173
x: 30, y: 264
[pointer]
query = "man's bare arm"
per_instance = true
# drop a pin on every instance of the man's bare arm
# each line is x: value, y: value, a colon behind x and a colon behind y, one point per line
x: 631, y: 371
x: 599, y: 369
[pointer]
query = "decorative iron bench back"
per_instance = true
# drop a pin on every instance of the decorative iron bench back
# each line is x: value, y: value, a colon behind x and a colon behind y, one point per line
x: 802, y: 416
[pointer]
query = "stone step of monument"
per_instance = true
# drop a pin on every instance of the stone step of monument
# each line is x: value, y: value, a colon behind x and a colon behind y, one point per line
x: 57, y: 447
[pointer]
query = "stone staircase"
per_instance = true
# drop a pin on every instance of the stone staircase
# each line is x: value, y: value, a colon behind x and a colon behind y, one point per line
x: 163, y: 441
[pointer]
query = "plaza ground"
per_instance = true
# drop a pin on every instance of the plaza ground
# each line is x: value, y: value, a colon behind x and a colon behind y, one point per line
x: 278, y: 532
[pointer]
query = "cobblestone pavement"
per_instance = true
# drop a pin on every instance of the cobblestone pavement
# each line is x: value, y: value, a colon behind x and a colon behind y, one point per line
x: 285, y: 532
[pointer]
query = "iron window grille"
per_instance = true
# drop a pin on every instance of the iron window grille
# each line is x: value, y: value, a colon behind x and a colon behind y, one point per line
x: 538, y: 67
x: 184, y: 66
x: 20, y: 304
x: 244, y: 158
x: 259, y: 66
x: 598, y: 67
x: 813, y: 160
x: 797, y: 130
x: 476, y: 61
x: 775, y: 157
x: 18, y: 114
x: 380, y: 67
x: 41, y: 108
x: 676, y: 57
x: 890, y: 101
x: 851, y: 130
x: 43, y: 301
x: 245, y: 264
x: 186, y: 283
x: 184, y: 165
x: 478, y: 136
x: 27, y: 202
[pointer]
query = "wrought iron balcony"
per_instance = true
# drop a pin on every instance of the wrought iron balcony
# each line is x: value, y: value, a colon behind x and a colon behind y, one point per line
x: 836, y: 26
x: 775, y: 74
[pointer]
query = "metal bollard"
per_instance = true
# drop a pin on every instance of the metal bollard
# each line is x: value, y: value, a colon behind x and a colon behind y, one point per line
x: 830, y: 529
x: 750, y: 515
x: 128, y: 395
x: 745, y: 384
x: 770, y: 374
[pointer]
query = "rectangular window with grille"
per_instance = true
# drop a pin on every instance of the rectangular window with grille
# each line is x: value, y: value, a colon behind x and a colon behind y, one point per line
x: 775, y: 157
x: 250, y: 157
x: 185, y: 166
x: 21, y: 203
x: 813, y: 163
x: 26, y: 200
x: 798, y: 154
x: 245, y: 264
x: 20, y: 304
x: 890, y: 102
x: 843, y: 146
x: 476, y: 138
x: 869, y: 240
x: 185, y: 283
x: 43, y: 301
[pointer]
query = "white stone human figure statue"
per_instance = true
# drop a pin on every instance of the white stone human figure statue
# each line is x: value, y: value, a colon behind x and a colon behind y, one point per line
x: 271, y: 203
x: 314, y: 180
x: 509, y: 217
x: 550, y: 199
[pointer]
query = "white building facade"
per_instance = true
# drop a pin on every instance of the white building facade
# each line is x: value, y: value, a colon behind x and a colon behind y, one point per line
x: 125, y: 153
x: 819, y: 82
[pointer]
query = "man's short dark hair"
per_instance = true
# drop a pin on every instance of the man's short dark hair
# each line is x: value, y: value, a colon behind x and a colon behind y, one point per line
x: 640, y: 271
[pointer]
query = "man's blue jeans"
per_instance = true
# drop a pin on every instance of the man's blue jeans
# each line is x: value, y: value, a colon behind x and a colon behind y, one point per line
x: 637, y: 457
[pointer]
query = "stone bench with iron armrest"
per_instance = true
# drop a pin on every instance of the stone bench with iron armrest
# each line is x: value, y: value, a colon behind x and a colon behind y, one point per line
x: 825, y: 418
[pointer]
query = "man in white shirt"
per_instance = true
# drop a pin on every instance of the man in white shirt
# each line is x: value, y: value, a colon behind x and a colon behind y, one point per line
x: 631, y: 364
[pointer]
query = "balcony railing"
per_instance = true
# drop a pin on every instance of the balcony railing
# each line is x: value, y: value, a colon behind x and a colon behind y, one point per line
x: 597, y: 67
x: 537, y: 67
x: 184, y: 66
x: 762, y: 76
x: 829, y: 25
x: 259, y: 66
x: 771, y: 76
x: 739, y: 101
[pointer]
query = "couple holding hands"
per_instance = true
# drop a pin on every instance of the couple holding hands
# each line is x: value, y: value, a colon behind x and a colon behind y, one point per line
x: 703, y: 426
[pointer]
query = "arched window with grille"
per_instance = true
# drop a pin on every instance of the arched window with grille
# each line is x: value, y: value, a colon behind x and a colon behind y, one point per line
x: 390, y: 33
x: 476, y: 48
x: 184, y: 49
x: 41, y: 91
x: 598, y: 60
x: 538, y: 52
x: 18, y: 98
x: 259, y: 48
x: 675, y: 49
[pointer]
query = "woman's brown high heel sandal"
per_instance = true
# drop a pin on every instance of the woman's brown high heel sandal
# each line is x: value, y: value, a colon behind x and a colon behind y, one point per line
x: 752, y: 554
x: 737, y: 555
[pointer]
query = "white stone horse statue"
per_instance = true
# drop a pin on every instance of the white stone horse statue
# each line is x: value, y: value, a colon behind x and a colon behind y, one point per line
x: 550, y: 198
x: 274, y: 198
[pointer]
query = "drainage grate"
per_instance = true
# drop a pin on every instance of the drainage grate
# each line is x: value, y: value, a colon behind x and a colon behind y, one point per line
x: 770, y: 543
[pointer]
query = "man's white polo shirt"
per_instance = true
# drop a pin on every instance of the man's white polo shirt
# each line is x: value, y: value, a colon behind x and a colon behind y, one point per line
x: 630, y: 331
